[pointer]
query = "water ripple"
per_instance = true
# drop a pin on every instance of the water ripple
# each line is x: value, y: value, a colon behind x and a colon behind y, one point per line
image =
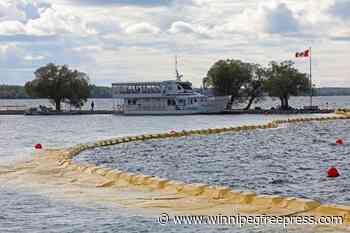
x: 290, y: 161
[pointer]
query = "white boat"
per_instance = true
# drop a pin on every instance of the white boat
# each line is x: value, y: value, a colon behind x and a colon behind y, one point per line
x: 173, y: 97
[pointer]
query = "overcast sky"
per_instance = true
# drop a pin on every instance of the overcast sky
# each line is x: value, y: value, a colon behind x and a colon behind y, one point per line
x: 136, y: 40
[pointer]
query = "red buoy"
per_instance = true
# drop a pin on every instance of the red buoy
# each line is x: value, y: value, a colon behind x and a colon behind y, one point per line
x: 38, y: 146
x: 332, y: 172
x: 339, y: 141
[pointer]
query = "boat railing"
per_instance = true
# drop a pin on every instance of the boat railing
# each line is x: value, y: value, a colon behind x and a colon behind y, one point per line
x: 136, y: 95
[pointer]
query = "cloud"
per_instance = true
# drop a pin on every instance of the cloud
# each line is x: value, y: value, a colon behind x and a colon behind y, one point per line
x: 52, y: 22
x: 180, y: 27
x: 11, y: 28
x: 268, y: 18
x: 142, y: 28
x: 340, y: 9
x: 103, y: 25
x: 280, y: 20
x: 143, y: 3
x: 21, y: 10
x: 105, y: 38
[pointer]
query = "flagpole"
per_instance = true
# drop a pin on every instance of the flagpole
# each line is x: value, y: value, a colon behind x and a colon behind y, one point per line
x: 311, y: 89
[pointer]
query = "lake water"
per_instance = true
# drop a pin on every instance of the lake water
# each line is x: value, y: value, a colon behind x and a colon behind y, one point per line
x: 24, y: 211
x: 291, y: 160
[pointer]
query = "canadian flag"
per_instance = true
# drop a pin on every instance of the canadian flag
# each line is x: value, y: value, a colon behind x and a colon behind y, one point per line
x: 303, y: 54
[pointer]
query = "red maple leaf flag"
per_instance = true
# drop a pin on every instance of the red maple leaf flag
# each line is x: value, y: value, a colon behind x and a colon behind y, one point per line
x: 305, y: 53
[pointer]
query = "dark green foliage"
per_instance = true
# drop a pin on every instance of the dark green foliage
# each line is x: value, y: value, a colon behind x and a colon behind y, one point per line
x: 59, y: 84
x: 253, y: 89
x: 227, y: 77
x: 283, y: 81
x: 242, y: 81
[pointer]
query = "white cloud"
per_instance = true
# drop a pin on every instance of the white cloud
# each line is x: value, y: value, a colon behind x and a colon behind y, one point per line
x: 142, y: 28
x: 39, y: 19
x: 34, y: 58
x: 11, y: 28
x: 9, y: 11
x: 109, y: 37
x: 54, y: 22
x: 279, y: 20
x: 340, y: 9
x: 21, y: 10
x: 181, y: 27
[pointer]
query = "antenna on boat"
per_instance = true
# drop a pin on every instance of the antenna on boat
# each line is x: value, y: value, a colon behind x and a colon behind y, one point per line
x: 178, y: 75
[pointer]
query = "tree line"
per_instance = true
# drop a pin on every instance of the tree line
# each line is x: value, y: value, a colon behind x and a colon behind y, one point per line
x: 13, y: 92
x: 19, y: 92
x: 244, y: 82
x: 250, y: 82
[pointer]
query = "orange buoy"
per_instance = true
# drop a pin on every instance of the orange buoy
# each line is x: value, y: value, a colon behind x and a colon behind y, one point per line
x: 38, y: 146
x: 339, y: 141
x: 332, y: 172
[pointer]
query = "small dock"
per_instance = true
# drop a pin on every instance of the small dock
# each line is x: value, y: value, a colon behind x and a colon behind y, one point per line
x: 78, y: 112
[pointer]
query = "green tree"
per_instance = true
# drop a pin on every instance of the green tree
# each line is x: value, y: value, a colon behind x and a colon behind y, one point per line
x: 59, y: 84
x: 283, y: 81
x: 253, y: 88
x: 227, y: 77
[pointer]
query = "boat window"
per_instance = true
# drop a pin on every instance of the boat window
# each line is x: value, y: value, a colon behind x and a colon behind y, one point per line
x: 195, y: 100
x: 186, y: 85
x: 171, y: 102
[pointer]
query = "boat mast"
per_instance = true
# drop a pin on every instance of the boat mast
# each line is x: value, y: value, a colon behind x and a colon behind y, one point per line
x: 178, y: 75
